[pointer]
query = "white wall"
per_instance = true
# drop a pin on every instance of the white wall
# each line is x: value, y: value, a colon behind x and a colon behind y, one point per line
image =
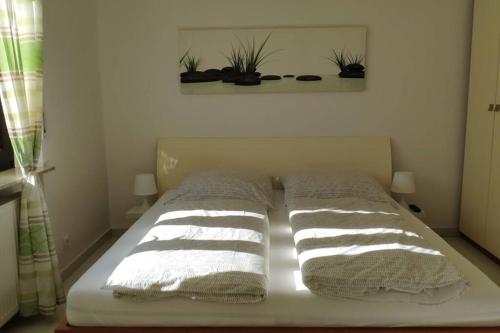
x: 77, y: 190
x: 417, y: 61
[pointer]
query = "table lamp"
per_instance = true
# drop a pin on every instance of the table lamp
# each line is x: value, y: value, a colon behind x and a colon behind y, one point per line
x: 403, y: 183
x: 144, y: 187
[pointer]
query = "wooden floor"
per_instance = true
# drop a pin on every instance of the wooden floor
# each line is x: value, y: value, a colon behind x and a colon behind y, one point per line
x: 47, y: 325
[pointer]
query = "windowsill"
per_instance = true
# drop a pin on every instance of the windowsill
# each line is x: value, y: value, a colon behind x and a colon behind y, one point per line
x: 12, y: 177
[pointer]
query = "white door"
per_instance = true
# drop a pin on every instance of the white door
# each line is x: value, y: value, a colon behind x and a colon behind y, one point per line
x: 479, y: 135
x: 493, y: 218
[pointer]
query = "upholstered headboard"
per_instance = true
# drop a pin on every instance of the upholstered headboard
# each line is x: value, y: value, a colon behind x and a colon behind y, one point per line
x: 178, y: 157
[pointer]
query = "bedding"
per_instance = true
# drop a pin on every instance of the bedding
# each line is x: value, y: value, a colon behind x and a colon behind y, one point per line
x: 212, y: 250
x: 289, y: 302
x: 331, y: 185
x: 237, y: 185
x: 352, y: 241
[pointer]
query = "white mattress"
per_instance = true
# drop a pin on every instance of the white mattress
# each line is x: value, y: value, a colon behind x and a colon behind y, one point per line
x: 289, y: 303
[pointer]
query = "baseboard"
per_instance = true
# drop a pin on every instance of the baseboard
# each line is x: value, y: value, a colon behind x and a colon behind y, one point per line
x: 480, y: 248
x: 118, y: 232
x: 85, y: 254
x: 446, y: 232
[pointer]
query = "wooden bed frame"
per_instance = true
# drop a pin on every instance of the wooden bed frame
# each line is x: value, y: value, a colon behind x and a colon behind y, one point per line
x: 177, y: 157
x: 66, y: 328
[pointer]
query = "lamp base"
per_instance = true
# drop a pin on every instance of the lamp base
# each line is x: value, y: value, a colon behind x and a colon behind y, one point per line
x: 144, y: 205
x: 403, y: 202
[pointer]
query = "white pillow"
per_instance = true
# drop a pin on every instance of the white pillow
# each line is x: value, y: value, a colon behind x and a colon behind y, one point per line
x: 238, y: 185
x: 338, y: 184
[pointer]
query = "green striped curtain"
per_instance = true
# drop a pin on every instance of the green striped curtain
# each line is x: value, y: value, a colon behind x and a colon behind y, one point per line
x: 21, y: 89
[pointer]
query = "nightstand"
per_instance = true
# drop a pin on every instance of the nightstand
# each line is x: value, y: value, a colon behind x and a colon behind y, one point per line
x: 417, y: 211
x: 134, y: 213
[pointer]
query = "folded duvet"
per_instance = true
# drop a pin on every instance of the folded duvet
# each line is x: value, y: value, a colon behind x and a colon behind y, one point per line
x: 214, y: 250
x: 357, y: 248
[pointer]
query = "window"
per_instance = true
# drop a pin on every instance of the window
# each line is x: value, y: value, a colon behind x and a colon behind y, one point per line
x: 6, y: 152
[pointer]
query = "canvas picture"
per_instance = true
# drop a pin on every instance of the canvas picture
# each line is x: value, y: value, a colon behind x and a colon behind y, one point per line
x: 272, y: 59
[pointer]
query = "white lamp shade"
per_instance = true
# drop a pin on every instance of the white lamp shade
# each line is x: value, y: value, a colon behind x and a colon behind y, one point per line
x: 145, y: 184
x: 403, y: 182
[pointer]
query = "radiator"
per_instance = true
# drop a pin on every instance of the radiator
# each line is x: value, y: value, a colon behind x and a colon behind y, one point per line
x: 8, y: 260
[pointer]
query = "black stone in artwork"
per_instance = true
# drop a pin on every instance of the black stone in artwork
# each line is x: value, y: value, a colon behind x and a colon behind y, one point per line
x: 288, y: 76
x: 355, y: 68
x: 352, y: 75
x: 270, y: 77
x: 214, y: 72
x: 247, y: 80
x: 230, y: 76
x: 353, y: 71
x: 195, y: 77
x: 308, y: 78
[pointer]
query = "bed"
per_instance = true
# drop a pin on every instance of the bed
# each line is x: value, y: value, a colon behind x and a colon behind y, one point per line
x: 290, y: 306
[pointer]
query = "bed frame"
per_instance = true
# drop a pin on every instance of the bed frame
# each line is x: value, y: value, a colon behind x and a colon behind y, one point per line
x: 177, y: 157
x: 66, y: 328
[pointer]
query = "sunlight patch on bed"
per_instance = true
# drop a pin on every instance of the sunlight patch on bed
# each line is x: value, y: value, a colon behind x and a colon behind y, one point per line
x: 206, y: 213
x: 359, y: 249
x: 313, y: 233
x: 149, y: 264
x: 299, y: 285
x: 337, y: 211
x: 294, y: 253
x: 190, y: 232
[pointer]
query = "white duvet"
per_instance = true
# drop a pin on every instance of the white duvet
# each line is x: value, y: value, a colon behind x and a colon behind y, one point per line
x: 214, y: 250
x: 357, y: 248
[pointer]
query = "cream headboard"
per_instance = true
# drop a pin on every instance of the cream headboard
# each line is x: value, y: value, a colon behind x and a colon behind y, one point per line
x: 178, y: 157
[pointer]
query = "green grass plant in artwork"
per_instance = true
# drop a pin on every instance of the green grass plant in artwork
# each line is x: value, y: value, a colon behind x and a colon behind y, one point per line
x: 354, y: 59
x: 344, y: 58
x: 181, y: 60
x: 254, y: 55
x: 236, y: 59
x: 191, y: 63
